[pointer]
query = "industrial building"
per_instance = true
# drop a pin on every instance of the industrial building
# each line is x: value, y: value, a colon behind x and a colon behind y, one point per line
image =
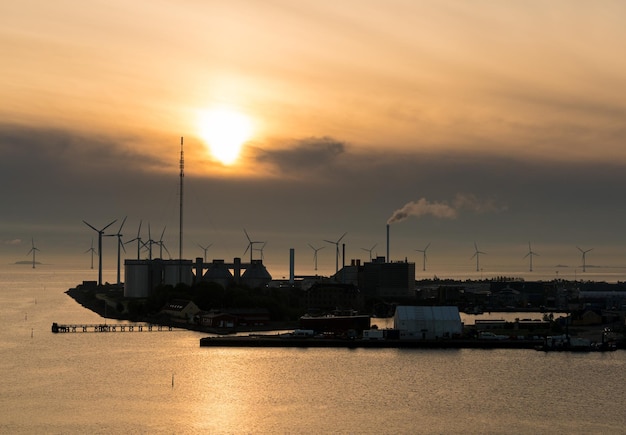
x: 380, y: 278
x: 427, y: 323
x: 141, y: 277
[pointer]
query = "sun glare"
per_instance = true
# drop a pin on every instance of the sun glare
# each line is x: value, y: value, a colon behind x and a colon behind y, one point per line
x: 225, y: 131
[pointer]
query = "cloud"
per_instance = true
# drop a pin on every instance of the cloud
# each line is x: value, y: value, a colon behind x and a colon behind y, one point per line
x: 12, y: 242
x: 443, y: 210
x: 304, y: 155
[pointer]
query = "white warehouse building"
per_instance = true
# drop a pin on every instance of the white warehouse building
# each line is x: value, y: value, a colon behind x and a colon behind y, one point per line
x: 427, y: 323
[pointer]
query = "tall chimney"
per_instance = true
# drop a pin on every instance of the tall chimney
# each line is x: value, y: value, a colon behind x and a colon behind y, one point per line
x: 388, y: 260
x: 291, y: 265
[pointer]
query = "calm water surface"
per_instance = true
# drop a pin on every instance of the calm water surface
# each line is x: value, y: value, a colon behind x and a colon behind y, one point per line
x: 163, y: 382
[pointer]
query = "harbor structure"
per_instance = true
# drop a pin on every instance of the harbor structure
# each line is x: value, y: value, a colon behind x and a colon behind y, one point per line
x: 427, y: 323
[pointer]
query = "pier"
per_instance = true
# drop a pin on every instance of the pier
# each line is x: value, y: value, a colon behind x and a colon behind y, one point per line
x: 105, y: 327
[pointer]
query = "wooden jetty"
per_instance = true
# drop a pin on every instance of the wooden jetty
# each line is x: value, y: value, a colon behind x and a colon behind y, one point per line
x: 109, y: 327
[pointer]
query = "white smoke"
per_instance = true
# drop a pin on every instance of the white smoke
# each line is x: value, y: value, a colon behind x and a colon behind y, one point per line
x: 442, y: 209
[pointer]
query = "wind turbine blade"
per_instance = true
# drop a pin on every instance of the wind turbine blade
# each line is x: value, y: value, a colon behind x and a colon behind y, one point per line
x: 247, y: 236
x: 108, y: 225
x: 122, y: 245
x: 344, y: 235
x: 90, y: 226
x: 328, y: 241
x: 122, y: 226
x: 163, y: 233
x: 139, y: 230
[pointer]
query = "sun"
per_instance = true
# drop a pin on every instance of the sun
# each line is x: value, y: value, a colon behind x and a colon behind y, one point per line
x: 224, y: 130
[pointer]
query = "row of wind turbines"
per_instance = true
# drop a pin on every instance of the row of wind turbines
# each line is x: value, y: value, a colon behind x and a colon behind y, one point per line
x: 120, y: 245
x: 529, y: 255
x: 477, y: 253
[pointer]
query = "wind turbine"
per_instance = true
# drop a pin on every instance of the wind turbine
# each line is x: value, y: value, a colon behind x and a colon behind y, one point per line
x: 205, y: 249
x: 149, y: 243
x: 477, y: 255
x: 336, y: 250
x: 370, y: 251
x: 530, y: 255
x: 92, y: 250
x: 423, y: 251
x: 584, y: 253
x: 315, y: 254
x: 139, y: 243
x: 100, y: 233
x: 162, y: 245
x: 250, y: 246
x: 33, y: 250
x: 261, y: 250
x: 120, y: 244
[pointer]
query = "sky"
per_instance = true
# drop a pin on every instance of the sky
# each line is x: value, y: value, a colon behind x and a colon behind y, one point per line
x: 482, y: 125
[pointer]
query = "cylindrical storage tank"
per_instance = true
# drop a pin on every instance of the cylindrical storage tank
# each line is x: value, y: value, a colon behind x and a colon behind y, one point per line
x: 136, y: 279
x: 177, y: 271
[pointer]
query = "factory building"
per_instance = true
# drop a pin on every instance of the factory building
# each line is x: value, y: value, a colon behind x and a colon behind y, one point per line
x: 427, y: 323
x: 143, y: 276
x: 380, y: 278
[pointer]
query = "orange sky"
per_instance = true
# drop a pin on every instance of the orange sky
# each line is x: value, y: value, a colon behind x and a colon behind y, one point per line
x: 494, y: 76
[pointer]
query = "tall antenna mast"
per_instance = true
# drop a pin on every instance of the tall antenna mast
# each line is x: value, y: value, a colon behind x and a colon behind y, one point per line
x: 182, y: 175
x: 180, y: 242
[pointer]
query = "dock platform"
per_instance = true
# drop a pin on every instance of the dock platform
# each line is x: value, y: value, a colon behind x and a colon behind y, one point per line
x: 109, y: 327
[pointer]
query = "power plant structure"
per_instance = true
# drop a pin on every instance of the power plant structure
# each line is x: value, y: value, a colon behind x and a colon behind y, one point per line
x: 143, y: 276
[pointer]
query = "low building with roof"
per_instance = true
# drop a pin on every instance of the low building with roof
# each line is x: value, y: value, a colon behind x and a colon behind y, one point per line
x: 427, y: 323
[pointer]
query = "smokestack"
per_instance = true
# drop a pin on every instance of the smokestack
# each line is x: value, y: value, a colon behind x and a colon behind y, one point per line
x: 291, y: 265
x: 388, y: 261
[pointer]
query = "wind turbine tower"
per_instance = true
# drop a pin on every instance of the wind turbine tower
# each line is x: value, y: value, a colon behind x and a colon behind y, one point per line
x: 120, y: 244
x: 370, y: 250
x: 205, y: 249
x: 250, y: 245
x: 336, y: 250
x: 315, y: 254
x: 477, y: 255
x: 92, y: 250
x: 423, y: 251
x: 100, y: 233
x: 161, y: 244
x: 584, y: 255
x: 530, y: 256
x: 139, y: 242
x: 33, y: 250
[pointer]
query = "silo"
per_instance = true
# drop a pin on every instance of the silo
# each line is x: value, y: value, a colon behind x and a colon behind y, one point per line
x: 175, y: 271
x: 256, y: 275
x: 218, y: 272
x: 136, y: 279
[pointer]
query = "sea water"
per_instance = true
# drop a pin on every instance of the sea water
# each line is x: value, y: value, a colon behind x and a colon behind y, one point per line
x: 163, y: 382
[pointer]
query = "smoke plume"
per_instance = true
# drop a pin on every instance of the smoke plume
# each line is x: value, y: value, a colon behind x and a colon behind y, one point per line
x: 442, y: 209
